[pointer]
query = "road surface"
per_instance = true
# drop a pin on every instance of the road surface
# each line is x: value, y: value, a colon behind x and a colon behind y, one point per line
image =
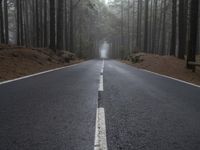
x: 96, y: 105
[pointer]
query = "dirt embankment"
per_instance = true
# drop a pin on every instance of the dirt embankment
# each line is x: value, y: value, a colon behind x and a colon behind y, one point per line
x: 167, y: 65
x: 19, y: 61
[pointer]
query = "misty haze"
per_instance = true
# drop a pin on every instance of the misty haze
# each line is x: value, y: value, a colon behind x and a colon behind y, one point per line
x: 99, y: 75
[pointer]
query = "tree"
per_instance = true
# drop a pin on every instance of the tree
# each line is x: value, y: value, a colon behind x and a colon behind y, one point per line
x: 6, y: 21
x: 1, y: 23
x: 146, y: 25
x: 18, y: 23
x: 21, y: 22
x: 128, y: 26
x: 173, y: 35
x: 133, y: 26
x: 139, y: 24
x: 71, y: 27
x: 163, y: 50
x: 45, y: 26
x: 60, y: 25
x: 154, y: 30
x: 182, y: 28
x: 194, y: 11
x: 122, y: 29
x: 66, y: 25
x: 20, y: 26
x: 52, y: 25
x: 37, y: 23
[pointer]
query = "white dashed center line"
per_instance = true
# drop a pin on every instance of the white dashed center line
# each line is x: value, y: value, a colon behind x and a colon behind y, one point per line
x: 101, y: 84
x: 100, y: 133
x: 100, y: 130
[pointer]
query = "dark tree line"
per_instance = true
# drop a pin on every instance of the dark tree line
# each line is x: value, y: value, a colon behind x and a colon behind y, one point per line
x: 165, y: 27
x: 56, y: 24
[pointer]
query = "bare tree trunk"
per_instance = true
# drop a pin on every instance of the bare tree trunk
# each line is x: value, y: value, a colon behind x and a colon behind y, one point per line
x: 122, y: 29
x: 194, y: 11
x: 21, y: 22
x: 66, y: 25
x: 60, y: 25
x: 52, y: 24
x: 163, y: 42
x: 182, y: 28
x: 71, y: 21
x: 133, y: 27
x: 150, y: 29
x: 173, y: 35
x: 45, y: 26
x: 6, y: 21
x: 146, y: 25
x: 1, y: 23
x: 154, y: 31
x: 18, y: 22
x: 128, y: 34
x: 139, y: 24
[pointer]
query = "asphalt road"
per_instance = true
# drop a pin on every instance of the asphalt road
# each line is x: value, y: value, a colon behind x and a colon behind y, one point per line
x: 57, y: 110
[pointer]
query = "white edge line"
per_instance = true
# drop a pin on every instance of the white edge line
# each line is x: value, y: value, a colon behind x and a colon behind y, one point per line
x: 165, y: 76
x: 36, y: 74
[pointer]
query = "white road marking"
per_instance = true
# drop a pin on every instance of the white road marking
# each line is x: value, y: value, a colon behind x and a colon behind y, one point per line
x: 102, y: 71
x: 102, y: 68
x: 100, y: 132
x: 165, y: 76
x: 101, y: 83
x: 36, y: 74
x: 100, y: 142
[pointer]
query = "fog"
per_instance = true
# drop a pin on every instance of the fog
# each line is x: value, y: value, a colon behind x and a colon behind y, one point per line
x: 104, y: 50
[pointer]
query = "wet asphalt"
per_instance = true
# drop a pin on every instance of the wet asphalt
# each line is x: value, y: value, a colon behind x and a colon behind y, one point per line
x: 57, y: 110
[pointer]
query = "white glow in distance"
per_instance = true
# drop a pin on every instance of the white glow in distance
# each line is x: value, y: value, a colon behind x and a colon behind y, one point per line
x: 104, y: 48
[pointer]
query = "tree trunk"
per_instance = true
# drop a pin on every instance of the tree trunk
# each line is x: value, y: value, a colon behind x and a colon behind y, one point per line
x: 173, y: 35
x: 45, y: 24
x: 52, y: 24
x: 122, y: 29
x: 139, y: 24
x: 133, y: 27
x: 21, y: 22
x: 66, y: 26
x: 60, y: 25
x: 6, y: 21
x: 194, y: 11
x: 154, y: 30
x: 18, y: 22
x: 146, y: 25
x: 150, y: 29
x: 128, y: 26
x: 71, y: 21
x: 182, y: 28
x: 163, y: 42
x: 1, y: 23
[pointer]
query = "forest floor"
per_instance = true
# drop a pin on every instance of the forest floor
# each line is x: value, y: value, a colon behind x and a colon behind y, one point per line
x: 18, y: 61
x: 168, y: 65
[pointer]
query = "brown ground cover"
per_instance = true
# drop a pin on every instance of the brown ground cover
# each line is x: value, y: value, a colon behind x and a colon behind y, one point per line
x: 19, y: 61
x: 168, y: 65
